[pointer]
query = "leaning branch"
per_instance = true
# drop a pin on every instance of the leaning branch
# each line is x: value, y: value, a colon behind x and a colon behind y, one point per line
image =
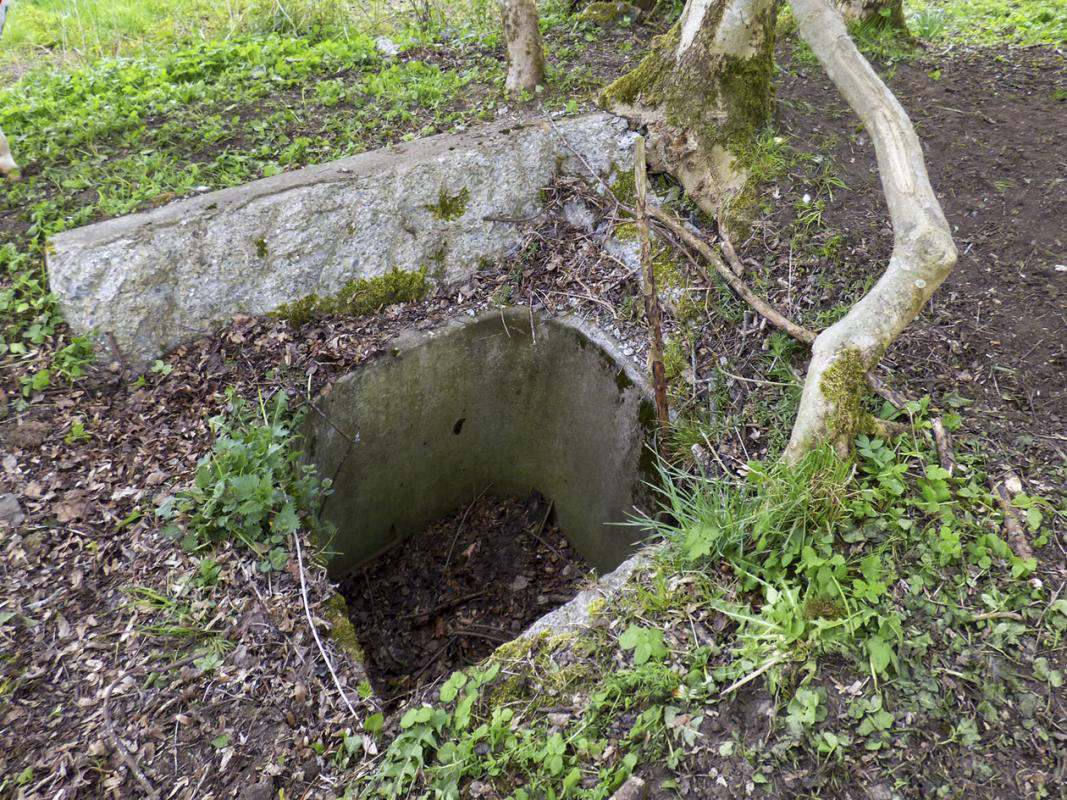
x: 776, y: 318
x: 923, y: 251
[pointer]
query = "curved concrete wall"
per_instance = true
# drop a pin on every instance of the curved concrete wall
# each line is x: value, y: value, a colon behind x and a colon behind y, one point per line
x: 504, y: 400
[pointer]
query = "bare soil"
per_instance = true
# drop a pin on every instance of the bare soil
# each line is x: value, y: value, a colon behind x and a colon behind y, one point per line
x: 994, y: 339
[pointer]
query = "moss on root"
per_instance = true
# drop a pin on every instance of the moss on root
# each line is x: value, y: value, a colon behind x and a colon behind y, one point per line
x: 844, y: 385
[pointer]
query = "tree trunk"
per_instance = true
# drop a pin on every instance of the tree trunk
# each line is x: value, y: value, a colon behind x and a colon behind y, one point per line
x: 923, y: 251
x: 7, y: 164
x: 883, y: 13
x: 703, y: 91
x: 526, y: 53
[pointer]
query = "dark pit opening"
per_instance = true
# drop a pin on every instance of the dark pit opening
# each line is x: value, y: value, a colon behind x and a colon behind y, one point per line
x: 455, y: 591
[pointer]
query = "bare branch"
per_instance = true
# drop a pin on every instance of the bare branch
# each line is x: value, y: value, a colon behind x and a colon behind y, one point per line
x: 923, y: 251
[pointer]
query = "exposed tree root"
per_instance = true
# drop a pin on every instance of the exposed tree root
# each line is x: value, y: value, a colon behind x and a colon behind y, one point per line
x: 923, y: 251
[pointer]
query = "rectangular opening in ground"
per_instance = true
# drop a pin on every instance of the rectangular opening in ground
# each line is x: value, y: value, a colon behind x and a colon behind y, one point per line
x: 449, y: 595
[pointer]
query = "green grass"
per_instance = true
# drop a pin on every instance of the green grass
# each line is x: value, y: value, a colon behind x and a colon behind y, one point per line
x: 851, y: 594
x: 116, y: 135
x: 989, y: 22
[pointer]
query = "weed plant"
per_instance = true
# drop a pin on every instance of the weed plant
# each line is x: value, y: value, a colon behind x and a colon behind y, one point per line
x: 251, y: 488
x: 831, y: 574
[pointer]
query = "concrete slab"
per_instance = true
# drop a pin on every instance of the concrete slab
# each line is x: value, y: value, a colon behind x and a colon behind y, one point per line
x: 155, y: 279
x: 501, y: 400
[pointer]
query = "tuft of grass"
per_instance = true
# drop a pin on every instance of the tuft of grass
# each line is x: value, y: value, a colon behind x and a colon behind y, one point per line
x: 989, y: 22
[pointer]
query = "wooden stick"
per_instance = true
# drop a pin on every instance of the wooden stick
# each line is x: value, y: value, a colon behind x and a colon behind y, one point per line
x: 648, y: 290
x: 773, y: 316
x: 944, y: 446
x: 730, y: 253
x: 120, y: 746
x: 1016, y: 536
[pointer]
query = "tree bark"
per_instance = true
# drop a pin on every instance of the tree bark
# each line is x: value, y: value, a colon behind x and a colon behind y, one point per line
x: 923, y: 251
x: 703, y: 92
x: 7, y: 164
x: 526, y: 53
x: 883, y: 13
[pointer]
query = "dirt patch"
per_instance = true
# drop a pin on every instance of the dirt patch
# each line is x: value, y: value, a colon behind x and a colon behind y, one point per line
x: 994, y: 338
x: 448, y: 596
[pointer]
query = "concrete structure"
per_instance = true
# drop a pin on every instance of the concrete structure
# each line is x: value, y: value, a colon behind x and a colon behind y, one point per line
x: 506, y: 400
x: 157, y: 278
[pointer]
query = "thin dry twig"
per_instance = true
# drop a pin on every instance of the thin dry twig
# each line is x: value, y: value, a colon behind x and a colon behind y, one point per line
x: 648, y: 289
x: 462, y: 521
x: 752, y: 675
x: 772, y: 315
x: 120, y: 746
x: 314, y: 631
x: 730, y: 253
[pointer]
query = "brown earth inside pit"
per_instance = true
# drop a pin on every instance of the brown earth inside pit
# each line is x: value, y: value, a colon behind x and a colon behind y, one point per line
x: 452, y: 593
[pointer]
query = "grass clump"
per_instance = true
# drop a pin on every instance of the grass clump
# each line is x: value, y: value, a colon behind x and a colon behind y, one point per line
x: 989, y: 22
x: 251, y: 488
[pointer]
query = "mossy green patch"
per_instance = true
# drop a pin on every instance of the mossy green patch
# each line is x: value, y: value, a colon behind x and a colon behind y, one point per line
x: 363, y: 296
x: 604, y: 13
x: 341, y: 630
x: 844, y: 385
x: 624, y: 187
x: 718, y: 101
x: 450, y: 206
x: 261, y: 248
x: 674, y: 359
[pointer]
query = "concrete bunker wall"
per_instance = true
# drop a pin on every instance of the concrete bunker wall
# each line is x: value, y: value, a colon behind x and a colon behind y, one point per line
x: 504, y: 400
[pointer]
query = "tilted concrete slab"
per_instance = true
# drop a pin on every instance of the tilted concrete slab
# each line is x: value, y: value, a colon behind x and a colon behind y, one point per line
x: 154, y: 279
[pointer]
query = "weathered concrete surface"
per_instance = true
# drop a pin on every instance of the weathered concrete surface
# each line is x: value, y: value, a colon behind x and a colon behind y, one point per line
x: 501, y: 401
x: 160, y: 277
x: 582, y: 611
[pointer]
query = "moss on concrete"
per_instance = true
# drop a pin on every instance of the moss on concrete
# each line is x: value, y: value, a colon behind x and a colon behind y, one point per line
x: 341, y: 630
x: 450, y: 206
x: 623, y: 186
x: 362, y: 296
